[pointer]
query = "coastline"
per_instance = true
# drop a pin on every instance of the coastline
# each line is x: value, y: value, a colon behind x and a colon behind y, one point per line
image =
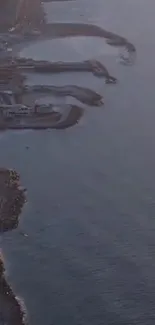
x: 8, y: 296
x: 11, y: 311
x: 12, y: 199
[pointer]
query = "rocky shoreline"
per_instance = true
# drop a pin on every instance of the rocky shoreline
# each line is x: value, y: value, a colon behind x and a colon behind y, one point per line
x: 11, y: 312
x: 12, y: 199
x: 14, y: 16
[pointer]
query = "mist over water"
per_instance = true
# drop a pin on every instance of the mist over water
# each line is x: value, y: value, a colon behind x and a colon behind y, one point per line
x: 88, y: 258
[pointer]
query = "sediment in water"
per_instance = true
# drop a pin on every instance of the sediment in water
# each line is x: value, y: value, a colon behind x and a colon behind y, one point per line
x: 29, y: 16
x: 56, y: 30
x: 45, y: 31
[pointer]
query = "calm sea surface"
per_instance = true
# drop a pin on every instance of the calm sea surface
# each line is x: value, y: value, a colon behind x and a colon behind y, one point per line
x: 89, y: 257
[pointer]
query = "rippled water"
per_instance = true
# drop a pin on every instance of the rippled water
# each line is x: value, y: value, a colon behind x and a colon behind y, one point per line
x: 89, y: 254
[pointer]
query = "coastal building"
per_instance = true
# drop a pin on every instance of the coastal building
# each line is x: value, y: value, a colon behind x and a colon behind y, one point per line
x: 10, y: 111
x: 40, y: 107
x: 19, y: 110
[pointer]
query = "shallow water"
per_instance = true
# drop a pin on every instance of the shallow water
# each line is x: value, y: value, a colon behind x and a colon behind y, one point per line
x: 89, y: 254
x: 72, y: 49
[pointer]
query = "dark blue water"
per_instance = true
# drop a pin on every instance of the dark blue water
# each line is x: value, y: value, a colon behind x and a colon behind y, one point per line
x: 90, y: 217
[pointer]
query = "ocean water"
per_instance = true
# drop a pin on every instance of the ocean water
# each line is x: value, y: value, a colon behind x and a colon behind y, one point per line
x: 88, y: 258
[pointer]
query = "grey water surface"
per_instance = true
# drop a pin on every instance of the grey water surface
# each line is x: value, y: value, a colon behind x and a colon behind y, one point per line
x: 89, y: 257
